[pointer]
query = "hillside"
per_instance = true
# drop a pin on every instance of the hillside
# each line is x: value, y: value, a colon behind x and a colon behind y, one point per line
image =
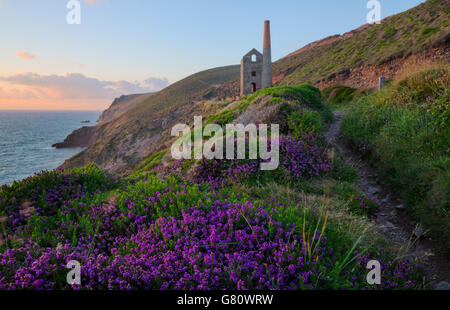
x: 121, y: 105
x: 411, y: 32
x: 355, y: 59
x: 207, y: 224
x: 404, y: 131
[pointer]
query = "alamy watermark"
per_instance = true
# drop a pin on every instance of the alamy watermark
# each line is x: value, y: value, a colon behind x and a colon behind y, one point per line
x: 374, y: 276
x: 73, y: 17
x: 236, y: 135
x: 74, y: 275
x: 374, y: 16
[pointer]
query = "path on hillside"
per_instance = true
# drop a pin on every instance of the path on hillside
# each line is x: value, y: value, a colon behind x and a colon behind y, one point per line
x: 392, y: 220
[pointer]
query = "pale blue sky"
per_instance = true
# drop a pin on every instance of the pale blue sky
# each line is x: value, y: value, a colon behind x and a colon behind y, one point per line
x: 133, y: 40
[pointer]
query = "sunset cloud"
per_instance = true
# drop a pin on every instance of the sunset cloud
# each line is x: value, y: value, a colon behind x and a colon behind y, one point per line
x: 14, y: 93
x: 24, y: 55
x: 78, y: 86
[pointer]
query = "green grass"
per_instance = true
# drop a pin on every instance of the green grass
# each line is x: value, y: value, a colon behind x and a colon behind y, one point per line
x: 339, y: 94
x: 223, y: 118
x: 404, y: 130
x: 152, y: 161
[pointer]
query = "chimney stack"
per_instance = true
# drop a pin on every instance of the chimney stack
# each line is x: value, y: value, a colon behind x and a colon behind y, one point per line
x: 267, y: 34
x: 267, y: 57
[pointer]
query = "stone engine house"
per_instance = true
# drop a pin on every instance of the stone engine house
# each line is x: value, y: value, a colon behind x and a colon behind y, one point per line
x: 256, y: 68
x: 251, y: 72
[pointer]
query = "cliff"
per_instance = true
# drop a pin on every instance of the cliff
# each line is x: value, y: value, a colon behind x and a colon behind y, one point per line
x: 79, y: 138
x: 84, y: 136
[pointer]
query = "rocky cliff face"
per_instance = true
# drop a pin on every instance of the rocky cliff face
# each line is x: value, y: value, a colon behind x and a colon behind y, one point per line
x: 84, y: 136
x: 79, y: 138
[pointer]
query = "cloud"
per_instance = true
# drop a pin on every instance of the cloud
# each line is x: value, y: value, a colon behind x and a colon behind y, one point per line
x: 14, y: 93
x: 156, y: 84
x: 24, y: 55
x: 78, y: 86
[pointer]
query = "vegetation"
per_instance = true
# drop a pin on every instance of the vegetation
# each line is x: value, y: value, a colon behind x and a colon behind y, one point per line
x: 226, y: 224
x: 413, y: 31
x: 299, y: 227
x: 404, y: 130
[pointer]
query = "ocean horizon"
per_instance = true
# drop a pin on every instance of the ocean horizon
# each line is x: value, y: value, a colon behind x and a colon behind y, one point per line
x: 27, y: 136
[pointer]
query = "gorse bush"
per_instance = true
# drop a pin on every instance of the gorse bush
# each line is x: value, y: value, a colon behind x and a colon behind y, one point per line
x: 306, y: 96
x: 405, y: 131
x: 303, y: 121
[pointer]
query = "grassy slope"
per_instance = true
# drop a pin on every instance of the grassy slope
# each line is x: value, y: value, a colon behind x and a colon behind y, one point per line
x: 409, y: 32
x: 405, y: 131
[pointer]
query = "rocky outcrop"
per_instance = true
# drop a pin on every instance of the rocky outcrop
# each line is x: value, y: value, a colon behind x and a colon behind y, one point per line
x: 85, y: 136
x: 79, y: 138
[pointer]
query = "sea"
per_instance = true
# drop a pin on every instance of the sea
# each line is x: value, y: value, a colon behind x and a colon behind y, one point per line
x: 26, y: 139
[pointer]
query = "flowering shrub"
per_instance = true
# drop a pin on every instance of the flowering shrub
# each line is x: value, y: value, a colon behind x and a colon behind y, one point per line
x: 164, y: 231
x: 364, y: 205
x: 303, y: 158
x: 45, y: 194
x: 300, y: 159
x: 174, y: 235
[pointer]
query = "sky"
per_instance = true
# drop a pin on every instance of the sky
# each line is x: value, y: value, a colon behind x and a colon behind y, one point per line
x: 135, y: 46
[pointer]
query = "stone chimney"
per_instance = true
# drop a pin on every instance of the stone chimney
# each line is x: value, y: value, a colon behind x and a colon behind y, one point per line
x: 267, y: 57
